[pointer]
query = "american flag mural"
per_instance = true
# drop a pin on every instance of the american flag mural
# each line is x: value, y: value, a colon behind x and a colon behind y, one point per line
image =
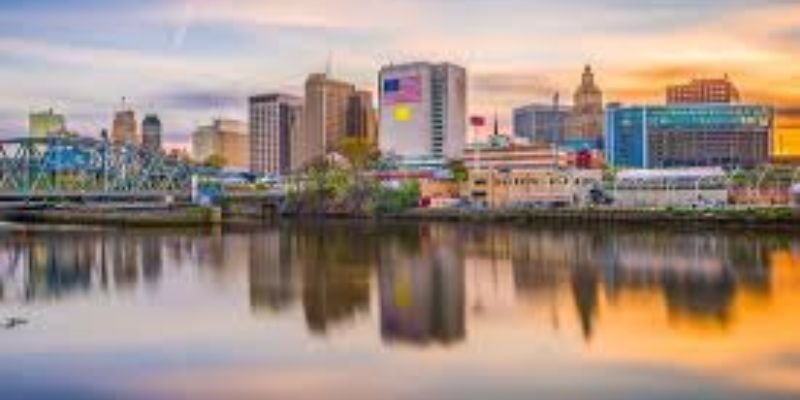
x: 406, y: 89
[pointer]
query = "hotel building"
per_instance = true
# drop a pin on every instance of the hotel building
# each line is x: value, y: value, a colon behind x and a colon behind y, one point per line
x: 423, y: 110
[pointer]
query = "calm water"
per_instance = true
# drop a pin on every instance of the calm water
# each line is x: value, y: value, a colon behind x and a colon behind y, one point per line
x: 358, y: 311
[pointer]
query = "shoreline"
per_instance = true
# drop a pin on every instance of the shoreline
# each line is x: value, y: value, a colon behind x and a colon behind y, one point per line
x: 752, y: 218
x: 785, y: 219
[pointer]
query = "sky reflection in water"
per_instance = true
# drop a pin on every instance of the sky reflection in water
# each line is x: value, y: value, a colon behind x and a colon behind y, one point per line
x: 355, y: 310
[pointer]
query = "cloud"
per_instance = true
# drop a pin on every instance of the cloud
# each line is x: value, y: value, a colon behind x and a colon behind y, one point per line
x: 183, y: 26
x: 516, y: 51
x: 200, y: 100
x: 793, y: 112
x: 514, y: 85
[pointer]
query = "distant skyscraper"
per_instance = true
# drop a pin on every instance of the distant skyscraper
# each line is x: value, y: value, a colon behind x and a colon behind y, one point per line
x: 123, y: 130
x: 703, y: 91
x: 276, y: 122
x: 361, y: 118
x: 325, y: 117
x: 224, y: 138
x: 586, y: 118
x: 423, y: 110
x: 151, y: 133
x: 46, y: 123
x: 544, y: 123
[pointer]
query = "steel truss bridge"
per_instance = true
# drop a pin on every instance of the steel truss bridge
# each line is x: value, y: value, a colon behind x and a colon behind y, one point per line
x: 86, y: 168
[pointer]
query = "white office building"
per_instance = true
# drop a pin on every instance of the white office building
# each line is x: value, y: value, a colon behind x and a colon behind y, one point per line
x: 423, y: 110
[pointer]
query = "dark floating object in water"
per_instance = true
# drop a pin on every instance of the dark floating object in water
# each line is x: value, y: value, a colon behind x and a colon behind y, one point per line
x: 13, y: 322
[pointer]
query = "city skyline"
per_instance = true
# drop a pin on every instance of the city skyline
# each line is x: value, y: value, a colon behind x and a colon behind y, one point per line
x: 190, y: 61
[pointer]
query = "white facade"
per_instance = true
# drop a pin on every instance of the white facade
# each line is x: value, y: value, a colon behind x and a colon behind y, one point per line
x: 423, y: 110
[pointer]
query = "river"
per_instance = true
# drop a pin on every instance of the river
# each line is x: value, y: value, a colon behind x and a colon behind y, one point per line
x: 358, y: 310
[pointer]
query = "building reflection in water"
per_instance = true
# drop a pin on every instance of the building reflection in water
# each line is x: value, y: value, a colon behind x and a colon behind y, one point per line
x: 273, y: 279
x: 421, y: 288
x: 152, y: 259
x: 336, y: 263
x: 428, y: 279
x: 58, y: 266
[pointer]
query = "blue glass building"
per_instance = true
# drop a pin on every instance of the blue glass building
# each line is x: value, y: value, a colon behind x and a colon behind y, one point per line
x: 689, y: 135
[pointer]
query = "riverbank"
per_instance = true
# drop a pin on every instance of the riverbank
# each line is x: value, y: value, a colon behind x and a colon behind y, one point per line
x: 193, y: 216
x: 178, y: 216
x: 761, y: 218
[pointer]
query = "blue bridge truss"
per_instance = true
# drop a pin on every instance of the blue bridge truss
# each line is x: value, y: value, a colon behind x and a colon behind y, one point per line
x: 78, y: 166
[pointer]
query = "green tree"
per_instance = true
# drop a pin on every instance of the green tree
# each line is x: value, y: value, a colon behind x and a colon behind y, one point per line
x: 214, y: 161
x: 357, y: 151
x: 458, y: 170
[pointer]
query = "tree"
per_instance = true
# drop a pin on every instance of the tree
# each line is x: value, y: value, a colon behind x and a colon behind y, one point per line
x: 358, y: 152
x: 215, y: 161
x: 458, y: 170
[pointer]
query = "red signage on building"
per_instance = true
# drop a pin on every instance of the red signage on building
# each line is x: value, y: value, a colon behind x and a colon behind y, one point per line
x: 477, y: 121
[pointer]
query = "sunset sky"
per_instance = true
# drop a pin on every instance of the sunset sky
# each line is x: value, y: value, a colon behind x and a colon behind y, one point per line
x: 193, y: 60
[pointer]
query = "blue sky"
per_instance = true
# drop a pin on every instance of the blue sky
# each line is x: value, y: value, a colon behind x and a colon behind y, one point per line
x: 193, y: 60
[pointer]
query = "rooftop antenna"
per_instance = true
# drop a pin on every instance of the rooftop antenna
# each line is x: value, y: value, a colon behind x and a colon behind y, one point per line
x: 329, y: 64
x: 556, y: 134
x: 496, y: 124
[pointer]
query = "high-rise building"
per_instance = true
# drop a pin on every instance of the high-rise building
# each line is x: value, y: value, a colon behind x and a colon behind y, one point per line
x: 276, y: 122
x: 361, y: 117
x: 688, y: 135
x: 203, y: 143
x: 423, y: 110
x: 151, y: 133
x: 586, y: 118
x: 325, y: 117
x: 46, y: 123
x: 543, y: 123
x: 226, y: 139
x: 703, y: 91
x: 124, y: 130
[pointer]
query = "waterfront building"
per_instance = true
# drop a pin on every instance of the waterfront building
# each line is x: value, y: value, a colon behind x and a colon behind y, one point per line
x: 586, y: 116
x: 515, y: 156
x: 46, y: 123
x: 124, y: 130
x: 225, y: 139
x: 276, y: 122
x: 361, y: 117
x: 524, y: 187
x: 674, y: 187
x: 688, y: 135
x: 703, y: 91
x: 423, y: 111
x: 326, y: 104
x: 151, y: 133
x: 541, y: 122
